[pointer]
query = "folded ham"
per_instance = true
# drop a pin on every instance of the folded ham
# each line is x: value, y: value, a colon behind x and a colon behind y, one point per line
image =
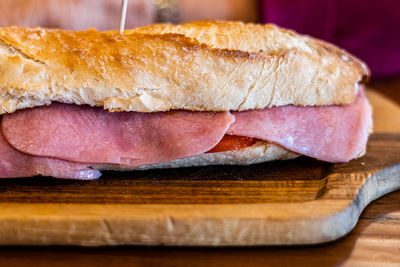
x: 62, y: 140
x: 85, y: 134
x: 16, y: 164
x: 328, y: 133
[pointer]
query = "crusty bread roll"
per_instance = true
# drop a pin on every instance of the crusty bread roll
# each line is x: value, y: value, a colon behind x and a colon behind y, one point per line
x: 201, y: 66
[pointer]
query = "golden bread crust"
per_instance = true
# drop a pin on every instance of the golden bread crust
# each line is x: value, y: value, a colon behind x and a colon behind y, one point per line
x: 200, y: 66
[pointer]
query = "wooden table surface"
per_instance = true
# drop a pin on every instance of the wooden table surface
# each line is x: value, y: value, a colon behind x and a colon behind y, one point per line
x: 374, y: 241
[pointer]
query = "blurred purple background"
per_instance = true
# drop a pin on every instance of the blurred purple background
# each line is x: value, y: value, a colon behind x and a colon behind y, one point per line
x: 370, y: 29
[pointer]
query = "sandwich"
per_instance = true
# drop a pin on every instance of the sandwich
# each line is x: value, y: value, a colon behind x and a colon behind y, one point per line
x: 167, y: 96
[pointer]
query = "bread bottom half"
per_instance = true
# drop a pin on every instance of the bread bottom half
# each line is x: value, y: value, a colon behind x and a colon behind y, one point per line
x: 259, y: 152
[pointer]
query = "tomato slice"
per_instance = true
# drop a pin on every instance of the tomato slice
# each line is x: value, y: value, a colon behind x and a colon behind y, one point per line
x: 232, y: 142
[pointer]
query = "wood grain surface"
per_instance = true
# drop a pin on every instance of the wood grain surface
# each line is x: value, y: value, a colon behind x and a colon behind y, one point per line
x: 375, y: 241
x: 301, y: 201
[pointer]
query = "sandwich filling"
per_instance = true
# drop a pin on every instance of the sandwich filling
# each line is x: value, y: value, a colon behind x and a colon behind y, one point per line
x: 63, y: 140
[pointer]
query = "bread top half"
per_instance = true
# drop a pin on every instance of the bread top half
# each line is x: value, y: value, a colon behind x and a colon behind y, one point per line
x: 199, y: 66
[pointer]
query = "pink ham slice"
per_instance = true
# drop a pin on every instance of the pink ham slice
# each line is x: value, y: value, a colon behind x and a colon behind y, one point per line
x: 16, y: 164
x: 93, y: 135
x: 328, y: 133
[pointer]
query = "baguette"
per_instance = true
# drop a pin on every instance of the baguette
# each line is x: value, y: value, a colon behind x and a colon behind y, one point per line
x: 276, y: 76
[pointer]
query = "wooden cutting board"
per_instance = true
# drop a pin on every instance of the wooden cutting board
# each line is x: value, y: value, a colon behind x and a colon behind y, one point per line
x: 302, y: 201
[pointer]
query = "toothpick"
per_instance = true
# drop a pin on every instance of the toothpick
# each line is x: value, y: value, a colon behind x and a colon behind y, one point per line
x: 124, y: 6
